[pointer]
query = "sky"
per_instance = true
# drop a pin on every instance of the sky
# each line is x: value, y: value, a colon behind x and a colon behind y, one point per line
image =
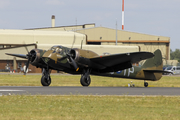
x: 158, y: 17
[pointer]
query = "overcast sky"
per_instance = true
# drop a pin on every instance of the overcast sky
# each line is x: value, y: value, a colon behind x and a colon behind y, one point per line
x: 155, y: 17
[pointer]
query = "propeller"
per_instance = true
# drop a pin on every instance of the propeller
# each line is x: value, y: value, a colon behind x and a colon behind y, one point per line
x: 69, y: 56
x: 30, y: 56
x: 73, y: 62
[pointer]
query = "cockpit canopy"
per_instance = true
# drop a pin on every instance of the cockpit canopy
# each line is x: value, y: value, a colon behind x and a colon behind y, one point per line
x: 59, y: 49
x: 54, y: 47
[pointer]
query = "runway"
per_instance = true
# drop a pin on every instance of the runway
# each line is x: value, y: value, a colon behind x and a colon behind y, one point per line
x: 28, y: 90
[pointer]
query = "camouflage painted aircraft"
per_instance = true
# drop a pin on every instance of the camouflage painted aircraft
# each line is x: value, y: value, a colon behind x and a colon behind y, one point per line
x: 86, y: 63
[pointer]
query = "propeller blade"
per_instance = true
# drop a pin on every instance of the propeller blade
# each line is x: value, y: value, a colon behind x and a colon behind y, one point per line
x: 73, y: 40
x: 26, y: 47
x: 73, y: 62
x: 27, y: 65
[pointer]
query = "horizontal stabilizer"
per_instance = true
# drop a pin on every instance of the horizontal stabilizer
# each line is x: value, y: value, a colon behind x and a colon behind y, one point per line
x: 156, y: 71
x: 17, y: 55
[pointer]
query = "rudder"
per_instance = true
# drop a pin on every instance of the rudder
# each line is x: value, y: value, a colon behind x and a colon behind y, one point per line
x: 155, y: 61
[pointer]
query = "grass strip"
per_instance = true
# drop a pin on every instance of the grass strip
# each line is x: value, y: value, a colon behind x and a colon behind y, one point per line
x: 76, y: 107
x: 74, y: 80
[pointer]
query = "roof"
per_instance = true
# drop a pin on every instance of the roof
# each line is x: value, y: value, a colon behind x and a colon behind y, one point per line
x: 103, y: 34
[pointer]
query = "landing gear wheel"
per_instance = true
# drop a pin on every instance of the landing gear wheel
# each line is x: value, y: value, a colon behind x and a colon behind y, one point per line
x: 145, y: 84
x: 85, y: 81
x: 45, y: 81
x: 170, y: 74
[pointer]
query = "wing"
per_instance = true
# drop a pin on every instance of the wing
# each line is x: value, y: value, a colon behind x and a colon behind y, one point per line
x: 120, y: 61
x: 17, y: 55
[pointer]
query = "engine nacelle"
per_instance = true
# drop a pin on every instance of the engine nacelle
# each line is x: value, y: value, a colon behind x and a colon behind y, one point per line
x: 82, y: 56
x: 35, y: 56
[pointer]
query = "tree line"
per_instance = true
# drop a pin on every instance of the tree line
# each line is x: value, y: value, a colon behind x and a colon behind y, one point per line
x: 175, y: 55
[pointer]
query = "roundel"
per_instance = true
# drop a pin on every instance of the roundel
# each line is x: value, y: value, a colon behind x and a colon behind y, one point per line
x: 118, y: 72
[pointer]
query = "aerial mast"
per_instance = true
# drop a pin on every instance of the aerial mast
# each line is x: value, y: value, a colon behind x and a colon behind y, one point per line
x: 116, y: 31
x: 122, y: 14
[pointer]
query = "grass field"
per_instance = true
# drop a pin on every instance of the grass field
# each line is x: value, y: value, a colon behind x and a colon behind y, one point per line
x: 77, y: 107
x: 74, y: 80
x: 89, y: 108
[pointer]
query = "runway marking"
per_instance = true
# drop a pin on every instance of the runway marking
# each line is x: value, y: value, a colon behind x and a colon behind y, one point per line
x: 10, y: 90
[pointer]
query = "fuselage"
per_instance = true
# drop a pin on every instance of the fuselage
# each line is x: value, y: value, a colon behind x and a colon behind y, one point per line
x: 135, y: 72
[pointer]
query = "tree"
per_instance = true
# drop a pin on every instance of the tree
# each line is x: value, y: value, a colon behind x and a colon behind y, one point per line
x: 175, y: 55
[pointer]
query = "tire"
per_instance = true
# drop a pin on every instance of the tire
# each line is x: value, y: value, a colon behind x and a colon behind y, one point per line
x: 85, y: 81
x: 145, y: 84
x: 170, y: 74
x: 45, y: 82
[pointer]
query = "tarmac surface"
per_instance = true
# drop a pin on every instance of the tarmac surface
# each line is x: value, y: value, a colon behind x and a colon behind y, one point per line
x: 136, y: 91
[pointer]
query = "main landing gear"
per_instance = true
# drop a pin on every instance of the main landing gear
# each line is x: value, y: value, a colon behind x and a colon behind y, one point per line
x: 45, y: 79
x: 145, y: 84
x: 85, y: 78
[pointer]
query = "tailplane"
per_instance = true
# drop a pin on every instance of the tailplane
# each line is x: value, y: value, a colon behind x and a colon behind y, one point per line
x: 153, y: 67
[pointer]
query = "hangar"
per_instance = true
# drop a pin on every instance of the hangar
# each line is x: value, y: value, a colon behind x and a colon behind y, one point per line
x: 108, y: 36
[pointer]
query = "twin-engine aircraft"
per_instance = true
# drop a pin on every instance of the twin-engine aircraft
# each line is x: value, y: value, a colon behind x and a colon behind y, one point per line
x: 86, y: 63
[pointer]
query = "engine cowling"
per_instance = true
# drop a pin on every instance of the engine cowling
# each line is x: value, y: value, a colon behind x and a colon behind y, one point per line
x: 82, y: 57
x: 35, y: 56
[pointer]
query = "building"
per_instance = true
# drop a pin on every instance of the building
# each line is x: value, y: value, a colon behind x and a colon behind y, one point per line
x: 107, y: 36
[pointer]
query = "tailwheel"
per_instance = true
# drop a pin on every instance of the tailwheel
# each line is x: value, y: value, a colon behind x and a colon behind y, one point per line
x: 45, y: 81
x: 145, y: 84
x: 85, y: 81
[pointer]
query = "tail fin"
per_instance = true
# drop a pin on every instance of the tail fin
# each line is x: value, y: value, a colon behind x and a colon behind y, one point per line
x: 154, y: 63
x: 153, y: 67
